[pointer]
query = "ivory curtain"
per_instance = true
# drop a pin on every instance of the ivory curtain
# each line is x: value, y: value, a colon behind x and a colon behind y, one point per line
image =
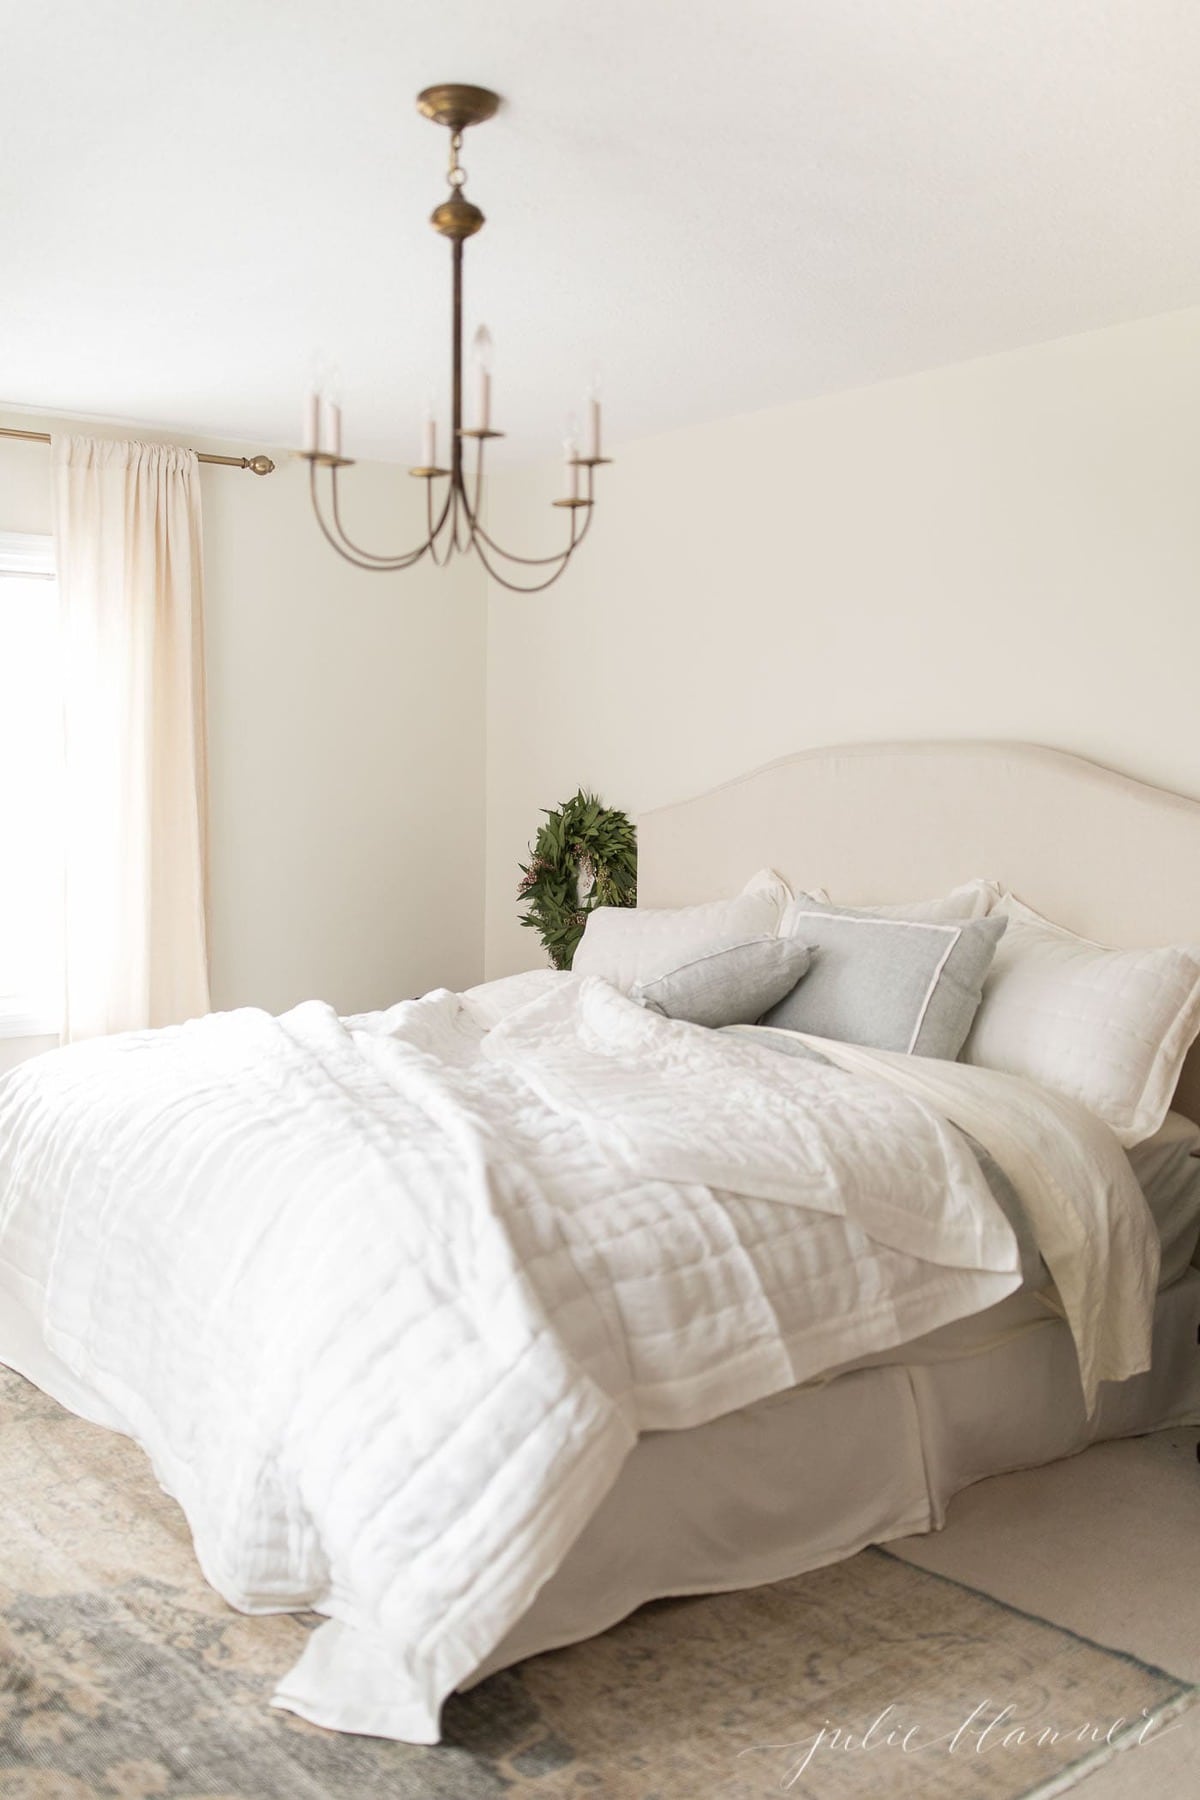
x: 127, y: 530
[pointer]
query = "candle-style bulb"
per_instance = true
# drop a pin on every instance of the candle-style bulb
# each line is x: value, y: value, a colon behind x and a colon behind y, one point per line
x: 318, y: 370
x: 331, y: 411
x: 312, y: 424
x: 592, y: 442
x: 481, y: 352
x: 571, y: 462
x: 331, y: 426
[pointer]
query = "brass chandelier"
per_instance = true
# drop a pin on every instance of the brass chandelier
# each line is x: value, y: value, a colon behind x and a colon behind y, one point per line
x: 453, y: 517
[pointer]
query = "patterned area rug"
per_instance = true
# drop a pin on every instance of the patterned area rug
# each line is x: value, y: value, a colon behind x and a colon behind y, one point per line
x: 123, y: 1674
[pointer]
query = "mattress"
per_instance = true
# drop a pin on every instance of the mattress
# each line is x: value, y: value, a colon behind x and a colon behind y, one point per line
x: 1167, y: 1167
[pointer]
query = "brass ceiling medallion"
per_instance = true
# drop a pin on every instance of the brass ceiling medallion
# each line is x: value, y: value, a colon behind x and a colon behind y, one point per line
x: 454, y: 526
x: 456, y: 105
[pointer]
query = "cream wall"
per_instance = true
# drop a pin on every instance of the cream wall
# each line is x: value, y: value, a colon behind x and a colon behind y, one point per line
x: 346, y: 739
x: 1010, y: 547
x: 1006, y: 548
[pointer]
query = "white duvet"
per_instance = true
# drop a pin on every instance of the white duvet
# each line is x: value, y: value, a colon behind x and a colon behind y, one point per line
x: 388, y: 1299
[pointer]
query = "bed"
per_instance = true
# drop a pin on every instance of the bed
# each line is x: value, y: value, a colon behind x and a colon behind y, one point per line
x: 879, y: 823
x: 476, y: 1324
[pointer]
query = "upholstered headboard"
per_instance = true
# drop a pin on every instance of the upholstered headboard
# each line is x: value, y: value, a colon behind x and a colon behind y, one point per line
x: 1110, y: 857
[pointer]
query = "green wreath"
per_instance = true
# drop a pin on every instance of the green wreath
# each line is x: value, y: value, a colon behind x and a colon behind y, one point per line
x: 585, y: 855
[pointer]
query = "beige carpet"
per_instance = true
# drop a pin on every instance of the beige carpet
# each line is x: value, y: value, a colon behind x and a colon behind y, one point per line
x: 123, y: 1674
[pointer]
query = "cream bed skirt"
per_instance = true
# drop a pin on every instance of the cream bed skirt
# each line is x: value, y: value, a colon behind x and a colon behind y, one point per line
x: 814, y: 1474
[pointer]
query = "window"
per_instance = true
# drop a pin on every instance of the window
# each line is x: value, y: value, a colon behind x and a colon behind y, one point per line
x: 31, y: 860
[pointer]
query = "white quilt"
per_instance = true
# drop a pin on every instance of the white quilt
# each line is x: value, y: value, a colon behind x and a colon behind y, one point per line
x: 388, y: 1299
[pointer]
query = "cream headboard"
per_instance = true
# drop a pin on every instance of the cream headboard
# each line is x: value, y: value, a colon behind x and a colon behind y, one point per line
x: 1110, y: 857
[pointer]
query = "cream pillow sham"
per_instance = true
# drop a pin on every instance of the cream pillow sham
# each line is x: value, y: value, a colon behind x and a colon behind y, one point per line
x: 970, y: 900
x: 1109, y: 1028
x: 628, y: 945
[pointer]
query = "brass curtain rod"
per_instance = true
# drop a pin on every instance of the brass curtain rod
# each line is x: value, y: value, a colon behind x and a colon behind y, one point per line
x: 257, y: 465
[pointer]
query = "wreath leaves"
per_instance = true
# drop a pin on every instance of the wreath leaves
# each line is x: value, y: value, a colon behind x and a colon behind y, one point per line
x: 585, y: 855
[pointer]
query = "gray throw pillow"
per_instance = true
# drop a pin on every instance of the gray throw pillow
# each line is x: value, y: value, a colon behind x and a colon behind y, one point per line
x: 733, y: 986
x: 894, y: 984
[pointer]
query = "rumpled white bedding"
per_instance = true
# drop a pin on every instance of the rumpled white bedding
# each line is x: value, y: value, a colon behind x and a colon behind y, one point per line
x: 388, y: 1299
x: 1093, y: 1241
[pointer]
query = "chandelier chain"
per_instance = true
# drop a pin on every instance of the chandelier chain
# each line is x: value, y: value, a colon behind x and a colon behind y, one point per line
x: 457, y: 174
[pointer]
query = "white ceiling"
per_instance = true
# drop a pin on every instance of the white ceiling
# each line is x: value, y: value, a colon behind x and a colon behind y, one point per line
x: 721, y: 204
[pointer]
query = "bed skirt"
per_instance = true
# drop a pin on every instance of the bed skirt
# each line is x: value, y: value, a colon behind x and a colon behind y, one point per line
x: 814, y: 1474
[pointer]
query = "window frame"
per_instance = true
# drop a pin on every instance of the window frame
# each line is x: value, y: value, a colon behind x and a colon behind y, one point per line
x: 29, y: 554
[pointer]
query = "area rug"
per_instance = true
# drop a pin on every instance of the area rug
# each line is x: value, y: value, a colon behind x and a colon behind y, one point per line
x: 122, y: 1674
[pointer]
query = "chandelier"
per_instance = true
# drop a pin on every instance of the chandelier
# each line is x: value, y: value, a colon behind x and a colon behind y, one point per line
x: 453, y: 512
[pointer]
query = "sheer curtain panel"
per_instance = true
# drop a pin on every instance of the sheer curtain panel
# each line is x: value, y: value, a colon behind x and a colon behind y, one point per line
x: 130, y: 572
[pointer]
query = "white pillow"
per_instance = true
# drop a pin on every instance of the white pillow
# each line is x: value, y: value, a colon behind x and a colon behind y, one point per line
x: 1109, y: 1028
x: 971, y: 900
x: 631, y: 944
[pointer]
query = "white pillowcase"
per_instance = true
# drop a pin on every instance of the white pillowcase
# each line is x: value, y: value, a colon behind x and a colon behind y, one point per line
x: 1109, y: 1028
x: 631, y: 944
x: 970, y: 900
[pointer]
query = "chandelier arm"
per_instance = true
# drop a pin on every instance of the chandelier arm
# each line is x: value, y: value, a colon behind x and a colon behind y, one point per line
x: 351, y: 554
x: 473, y: 509
x: 403, y: 558
x: 450, y: 508
x: 435, y: 531
x: 345, y: 546
x: 462, y: 516
x: 447, y: 553
x: 515, y: 587
x: 473, y: 505
x: 533, y: 562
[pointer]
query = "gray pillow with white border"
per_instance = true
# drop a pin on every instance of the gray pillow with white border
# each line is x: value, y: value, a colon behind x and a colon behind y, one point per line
x: 911, y: 985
